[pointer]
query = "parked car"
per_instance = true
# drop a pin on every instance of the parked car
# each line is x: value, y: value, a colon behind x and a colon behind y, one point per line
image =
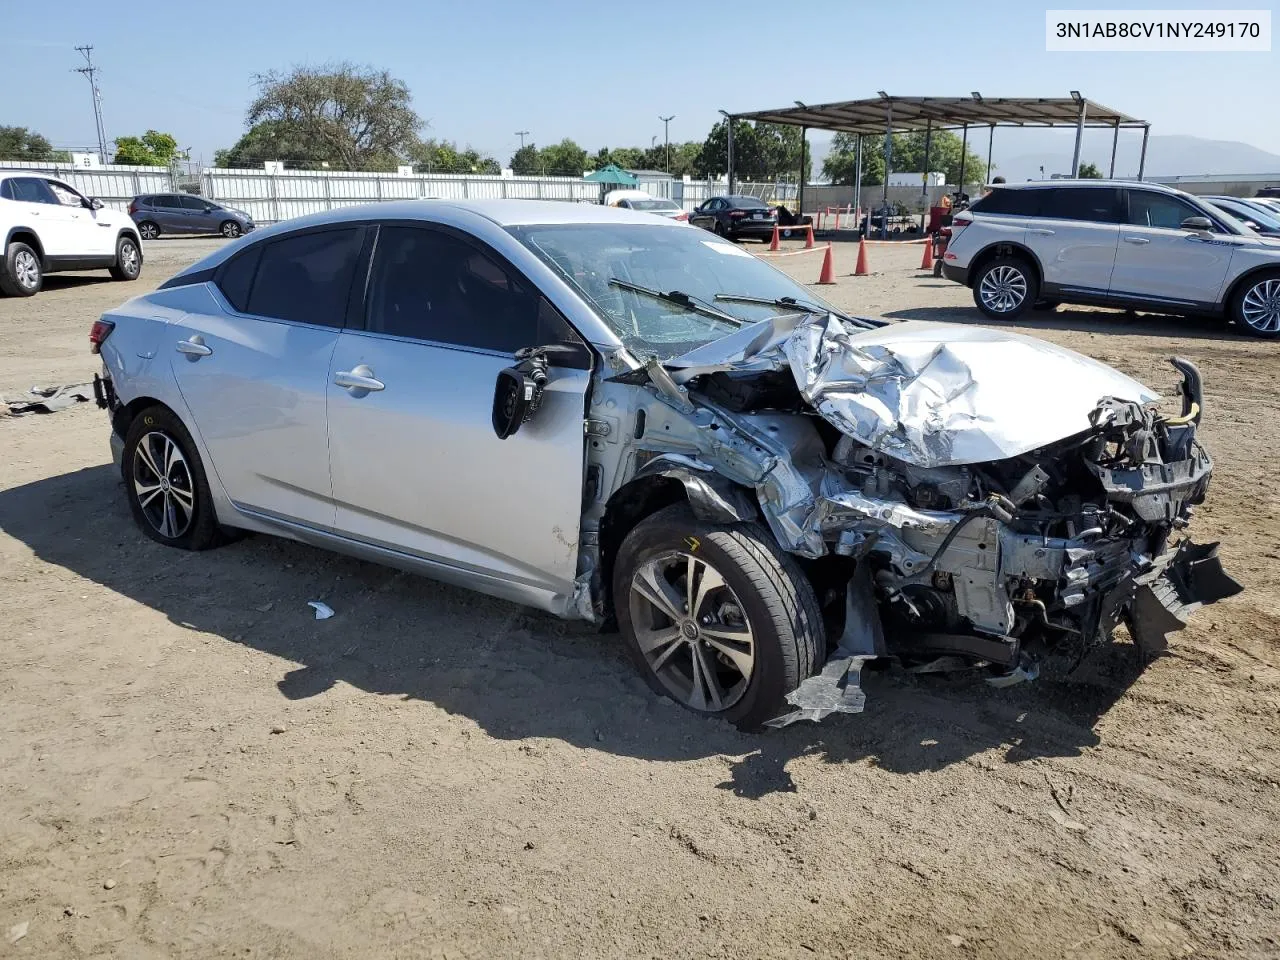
x: 49, y: 226
x: 1137, y: 246
x: 605, y: 415
x: 1271, y: 203
x: 639, y: 200
x: 736, y: 217
x: 1268, y: 192
x: 1258, y: 217
x: 184, y: 213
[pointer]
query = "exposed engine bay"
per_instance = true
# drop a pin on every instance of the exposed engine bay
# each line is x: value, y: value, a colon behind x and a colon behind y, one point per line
x: 967, y: 496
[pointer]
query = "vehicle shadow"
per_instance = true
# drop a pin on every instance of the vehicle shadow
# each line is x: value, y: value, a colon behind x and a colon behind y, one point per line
x: 1086, y: 321
x: 72, y: 281
x: 516, y: 673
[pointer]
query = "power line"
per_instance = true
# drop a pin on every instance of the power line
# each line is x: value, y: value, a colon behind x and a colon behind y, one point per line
x: 90, y: 73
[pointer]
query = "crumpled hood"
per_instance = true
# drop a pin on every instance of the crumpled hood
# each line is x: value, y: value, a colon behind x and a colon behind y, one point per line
x: 930, y: 394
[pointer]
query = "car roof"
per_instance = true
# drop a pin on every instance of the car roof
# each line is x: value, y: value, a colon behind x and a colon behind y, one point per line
x: 505, y: 213
x: 1051, y: 184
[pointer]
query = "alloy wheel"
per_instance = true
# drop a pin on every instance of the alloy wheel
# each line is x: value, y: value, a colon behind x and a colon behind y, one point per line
x: 692, y: 630
x: 129, y: 258
x: 1003, y: 289
x: 1261, y: 306
x: 148, y: 231
x: 26, y: 269
x: 163, y: 485
x: 230, y: 229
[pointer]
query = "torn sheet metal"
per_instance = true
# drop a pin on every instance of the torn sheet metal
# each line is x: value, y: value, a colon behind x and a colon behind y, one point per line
x: 925, y: 393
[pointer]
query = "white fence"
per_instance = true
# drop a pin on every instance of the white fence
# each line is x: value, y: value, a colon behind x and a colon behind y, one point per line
x: 268, y: 197
x: 114, y: 185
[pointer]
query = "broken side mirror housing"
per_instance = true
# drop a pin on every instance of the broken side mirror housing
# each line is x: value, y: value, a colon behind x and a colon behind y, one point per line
x: 516, y: 397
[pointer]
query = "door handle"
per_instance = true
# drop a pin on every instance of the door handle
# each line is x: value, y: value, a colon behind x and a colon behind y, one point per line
x: 194, y: 348
x: 359, y: 380
x: 1136, y: 240
x: 1041, y: 232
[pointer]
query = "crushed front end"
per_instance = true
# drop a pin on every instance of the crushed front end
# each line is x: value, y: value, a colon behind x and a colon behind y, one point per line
x: 969, y: 529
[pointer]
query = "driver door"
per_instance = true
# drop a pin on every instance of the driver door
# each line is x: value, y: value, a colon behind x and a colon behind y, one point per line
x: 1160, y: 260
x: 415, y: 463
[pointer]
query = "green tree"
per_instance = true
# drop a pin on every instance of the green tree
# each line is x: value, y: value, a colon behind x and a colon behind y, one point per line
x: 272, y: 140
x: 564, y: 159
x: 840, y: 164
x: 526, y: 162
x: 19, y: 143
x: 945, y: 149
x: 443, y: 156
x: 152, y: 149
x: 761, y: 151
x: 352, y: 117
x: 1089, y: 171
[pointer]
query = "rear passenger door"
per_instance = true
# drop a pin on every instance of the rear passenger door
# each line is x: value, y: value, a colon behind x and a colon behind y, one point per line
x: 416, y: 465
x: 1074, y: 236
x: 170, y: 214
x: 1161, y: 261
x: 253, y: 367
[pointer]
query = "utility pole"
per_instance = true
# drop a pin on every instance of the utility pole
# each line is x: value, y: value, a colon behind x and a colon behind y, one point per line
x: 91, y: 74
x: 522, y: 134
x: 666, y: 140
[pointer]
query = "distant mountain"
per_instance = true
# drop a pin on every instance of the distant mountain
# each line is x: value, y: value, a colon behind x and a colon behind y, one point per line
x: 1019, y: 154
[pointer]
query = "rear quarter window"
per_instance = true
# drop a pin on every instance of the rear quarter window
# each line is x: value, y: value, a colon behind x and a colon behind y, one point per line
x: 235, y: 278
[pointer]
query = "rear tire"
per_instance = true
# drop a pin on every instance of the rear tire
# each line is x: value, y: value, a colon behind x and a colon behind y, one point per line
x: 754, y: 634
x: 1255, y: 307
x: 166, y: 484
x: 148, y: 230
x: 1005, y: 288
x: 22, y: 274
x: 128, y: 263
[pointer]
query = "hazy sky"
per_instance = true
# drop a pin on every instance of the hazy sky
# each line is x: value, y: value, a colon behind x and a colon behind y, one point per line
x: 558, y: 68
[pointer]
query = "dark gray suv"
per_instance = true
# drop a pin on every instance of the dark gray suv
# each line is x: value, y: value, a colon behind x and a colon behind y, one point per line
x: 176, y: 213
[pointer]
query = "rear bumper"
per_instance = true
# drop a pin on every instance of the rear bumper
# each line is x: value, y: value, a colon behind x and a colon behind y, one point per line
x: 750, y: 229
x: 955, y: 274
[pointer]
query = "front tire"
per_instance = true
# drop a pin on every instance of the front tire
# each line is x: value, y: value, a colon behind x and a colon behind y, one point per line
x: 230, y: 229
x: 716, y: 616
x: 1255, y: 307
x: 22, y: 274
x: 166, y: 484
x: 128, y: 259
x: 1005, y: 288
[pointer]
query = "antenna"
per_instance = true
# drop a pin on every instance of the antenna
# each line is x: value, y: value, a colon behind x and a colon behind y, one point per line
x: 91, y: 74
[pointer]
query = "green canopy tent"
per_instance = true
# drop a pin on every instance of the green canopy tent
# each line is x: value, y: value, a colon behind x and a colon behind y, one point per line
x: 612, y: 175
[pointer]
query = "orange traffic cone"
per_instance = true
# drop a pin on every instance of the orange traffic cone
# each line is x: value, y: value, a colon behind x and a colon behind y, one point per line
x: 926, y: 263
x: 773, y: 244
x: 828, y: 268
x: 808, y: 237
x: 860, y: 269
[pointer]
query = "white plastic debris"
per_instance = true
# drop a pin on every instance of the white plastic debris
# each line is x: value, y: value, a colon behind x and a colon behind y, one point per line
x: 323, y: 610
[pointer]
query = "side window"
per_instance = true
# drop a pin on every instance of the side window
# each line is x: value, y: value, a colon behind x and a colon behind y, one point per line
x: 165, y: 202
x: 65, y: 195
x: 1021, y: 203
x: 235, y: 277
x: 32, y: 190
x: 193, y: 203
x: 1148, y: 209
x: 1095, y: 204
x: 718, y: 204
x: 307, y: 277
x: 6, y: 190
x: 430, y: 285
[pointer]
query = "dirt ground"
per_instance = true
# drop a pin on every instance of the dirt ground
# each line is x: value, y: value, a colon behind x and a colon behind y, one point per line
x: 192, y: 766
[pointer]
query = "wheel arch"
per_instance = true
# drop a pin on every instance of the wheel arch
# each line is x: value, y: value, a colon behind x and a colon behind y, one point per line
x: 131, y: 232
x: 126, y: 413
x: 1004, y: 248
x: 27, y: 235
x: 1244, y: 280
x: 659, y: 484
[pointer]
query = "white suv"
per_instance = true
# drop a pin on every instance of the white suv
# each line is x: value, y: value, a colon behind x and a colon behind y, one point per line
x: 1137, y: 246
x: 49, y: 226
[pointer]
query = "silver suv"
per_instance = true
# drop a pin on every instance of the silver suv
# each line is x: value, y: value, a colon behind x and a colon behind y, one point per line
x: 1137, y: 246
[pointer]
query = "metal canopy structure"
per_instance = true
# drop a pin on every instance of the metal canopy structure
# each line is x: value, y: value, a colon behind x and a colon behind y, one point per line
x: 885, y: 115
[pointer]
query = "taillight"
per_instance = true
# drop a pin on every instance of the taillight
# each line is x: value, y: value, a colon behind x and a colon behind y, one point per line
x: 133, y: 208
x: 959, y: 223
x: 737, y: 214
x: 682, y: 216
x: 98, y: 334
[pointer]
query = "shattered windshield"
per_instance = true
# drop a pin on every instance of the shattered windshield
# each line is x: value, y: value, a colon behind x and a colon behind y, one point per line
x: 612, y: 265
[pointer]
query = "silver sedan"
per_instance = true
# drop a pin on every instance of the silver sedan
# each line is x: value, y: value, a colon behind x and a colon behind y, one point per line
x: 612, y: 417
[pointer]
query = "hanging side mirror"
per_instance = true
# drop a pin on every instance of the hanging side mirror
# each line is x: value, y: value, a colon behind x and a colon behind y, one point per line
x: 518, y: 390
